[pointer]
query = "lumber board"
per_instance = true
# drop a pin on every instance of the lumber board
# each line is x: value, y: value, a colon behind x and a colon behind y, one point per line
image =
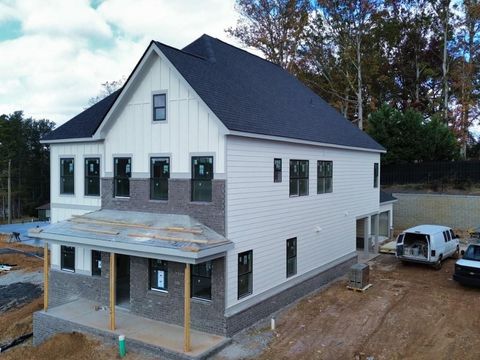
x: 169, y: 238
x: 82, y: 220
x: 365, y: 288
x: 98, y: 231
x: 45, y: 276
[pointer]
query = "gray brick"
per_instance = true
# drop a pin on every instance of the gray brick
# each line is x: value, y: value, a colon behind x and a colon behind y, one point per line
x: 211, y: 214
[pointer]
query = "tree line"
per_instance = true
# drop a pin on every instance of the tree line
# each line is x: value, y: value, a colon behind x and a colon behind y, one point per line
x: 418, y: 57
x: 30, y: 166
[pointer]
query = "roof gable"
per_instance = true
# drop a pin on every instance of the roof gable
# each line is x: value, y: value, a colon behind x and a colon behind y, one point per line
x: 247, y: 93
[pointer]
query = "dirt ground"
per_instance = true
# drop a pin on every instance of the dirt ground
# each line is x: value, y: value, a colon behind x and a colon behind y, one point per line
x: 68, y: 347
x: 411, y: 312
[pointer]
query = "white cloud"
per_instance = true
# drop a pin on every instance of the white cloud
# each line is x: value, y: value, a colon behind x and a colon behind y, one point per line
x: 68, y: 48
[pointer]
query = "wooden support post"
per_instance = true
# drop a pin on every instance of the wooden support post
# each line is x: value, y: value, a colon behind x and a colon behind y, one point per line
x: 112, y: 291
x: 186, y: 313
x: 45, y: 276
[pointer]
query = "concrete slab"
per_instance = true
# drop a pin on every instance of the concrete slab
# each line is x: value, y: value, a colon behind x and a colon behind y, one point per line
x: 152, y: 332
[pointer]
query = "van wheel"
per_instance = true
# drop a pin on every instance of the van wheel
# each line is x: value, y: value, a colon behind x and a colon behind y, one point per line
x: 438, y: 264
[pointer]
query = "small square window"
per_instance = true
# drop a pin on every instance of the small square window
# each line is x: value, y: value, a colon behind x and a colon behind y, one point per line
x: 159, y: 107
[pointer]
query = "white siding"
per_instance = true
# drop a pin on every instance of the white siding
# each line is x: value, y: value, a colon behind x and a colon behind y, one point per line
x: 190, y: 128
x: 64, y: 206
x: 261, y: 215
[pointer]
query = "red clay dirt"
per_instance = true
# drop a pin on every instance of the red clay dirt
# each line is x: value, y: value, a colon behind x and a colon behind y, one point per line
x: 410, y: 312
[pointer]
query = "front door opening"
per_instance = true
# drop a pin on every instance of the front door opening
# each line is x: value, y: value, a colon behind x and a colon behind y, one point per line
x: 123, y: 280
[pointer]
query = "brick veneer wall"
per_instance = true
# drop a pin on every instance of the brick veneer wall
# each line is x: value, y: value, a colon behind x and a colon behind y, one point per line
x: 179, y: 201
x: 206, y: 316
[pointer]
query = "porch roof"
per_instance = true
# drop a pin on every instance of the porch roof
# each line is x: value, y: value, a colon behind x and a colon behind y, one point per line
x: 164, y: 236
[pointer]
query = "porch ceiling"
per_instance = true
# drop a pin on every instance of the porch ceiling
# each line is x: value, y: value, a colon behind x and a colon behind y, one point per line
x: 164, y: 236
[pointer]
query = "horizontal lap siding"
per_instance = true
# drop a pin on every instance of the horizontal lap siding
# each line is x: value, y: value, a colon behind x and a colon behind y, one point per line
x: 261, y: 215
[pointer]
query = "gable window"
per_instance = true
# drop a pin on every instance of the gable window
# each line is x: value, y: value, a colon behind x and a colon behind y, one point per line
x: 96, y: 263
x: 158, y: 274
x: 277, y: 170
x: 202, y: 175
x: 121, y: 179
x: 159, y: 174
x: 67, y: 261
x: 298, y: 177
x: 67, y: 176
x: 375, y: 175
x: 159, y: 107
x: 245, y: 273
x: 92, y: 176
x: 291, y: 257
x: 324, y: 177
x: 202, y: 280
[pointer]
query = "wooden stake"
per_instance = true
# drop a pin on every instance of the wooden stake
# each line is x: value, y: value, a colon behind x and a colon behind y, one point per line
x: 112, y: 291
x: 186, y: 326
x: 45, y: 276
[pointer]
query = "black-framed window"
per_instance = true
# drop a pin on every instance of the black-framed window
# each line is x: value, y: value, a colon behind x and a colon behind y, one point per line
x: 324, y: 177
x: 159, y: 175
x: 277, y: 170
x: 158, y: 274
x: 122, y: 171
x: 375, y: 175
x: 298, y: 177
x: 202, y: 175
x: 96, y: 263
x: 159, y: 107
x: 67, y: 176
x: 291, y: 257
x: 202, y: 280
x: 67, y: 258
x: 245, y: 273
x: 92, y: 176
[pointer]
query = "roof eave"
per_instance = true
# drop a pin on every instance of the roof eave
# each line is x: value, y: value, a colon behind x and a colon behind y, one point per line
x: 145, y: 251
x: 305, y: 142
x: 72, y: 140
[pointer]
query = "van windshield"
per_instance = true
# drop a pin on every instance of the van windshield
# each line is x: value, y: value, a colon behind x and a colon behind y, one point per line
x: 472, y: 253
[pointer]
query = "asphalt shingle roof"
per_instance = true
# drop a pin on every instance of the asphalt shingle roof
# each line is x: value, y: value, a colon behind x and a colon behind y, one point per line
x: 86, y: 123
x: 386, y: 197
x: 248, y: 94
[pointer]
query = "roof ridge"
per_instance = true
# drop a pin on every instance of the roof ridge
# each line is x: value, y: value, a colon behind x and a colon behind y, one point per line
x: 179, y: 50
x: 243, y: 50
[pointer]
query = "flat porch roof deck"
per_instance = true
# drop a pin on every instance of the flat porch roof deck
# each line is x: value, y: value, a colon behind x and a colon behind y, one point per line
x: 151, y: 332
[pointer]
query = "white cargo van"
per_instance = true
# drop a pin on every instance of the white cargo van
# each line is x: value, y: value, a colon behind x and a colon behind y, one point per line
x: 428, y: 244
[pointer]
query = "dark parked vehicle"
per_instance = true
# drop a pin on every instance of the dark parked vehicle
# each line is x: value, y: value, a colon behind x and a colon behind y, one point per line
x: 467, y: 269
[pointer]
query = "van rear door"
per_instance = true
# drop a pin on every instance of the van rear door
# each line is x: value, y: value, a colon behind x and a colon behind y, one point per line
x: 400, y: 244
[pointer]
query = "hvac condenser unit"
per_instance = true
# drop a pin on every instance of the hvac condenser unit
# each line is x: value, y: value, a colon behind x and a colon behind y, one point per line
x: 359, y: 276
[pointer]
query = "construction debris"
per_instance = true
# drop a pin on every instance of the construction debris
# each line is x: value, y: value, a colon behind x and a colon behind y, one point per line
x: 15, y: 342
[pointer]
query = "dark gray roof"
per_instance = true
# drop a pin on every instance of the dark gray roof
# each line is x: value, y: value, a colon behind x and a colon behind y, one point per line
x: 386, y: 197
x: 252, y: 95
x: 86, y: 123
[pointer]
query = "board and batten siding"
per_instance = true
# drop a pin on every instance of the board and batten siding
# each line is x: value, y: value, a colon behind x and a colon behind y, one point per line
x: 63, y: 206
x: 190, y: 128
x: 261, y: 215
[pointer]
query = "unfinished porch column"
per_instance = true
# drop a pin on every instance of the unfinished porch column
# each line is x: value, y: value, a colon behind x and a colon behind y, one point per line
x: 366, y: 235
x: 377, y: 231
x: 112, y: 291
x: 45, y: 276
x: 186, y: 325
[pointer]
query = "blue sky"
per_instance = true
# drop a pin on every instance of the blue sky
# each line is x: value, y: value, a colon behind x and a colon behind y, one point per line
x: 56, y: 53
